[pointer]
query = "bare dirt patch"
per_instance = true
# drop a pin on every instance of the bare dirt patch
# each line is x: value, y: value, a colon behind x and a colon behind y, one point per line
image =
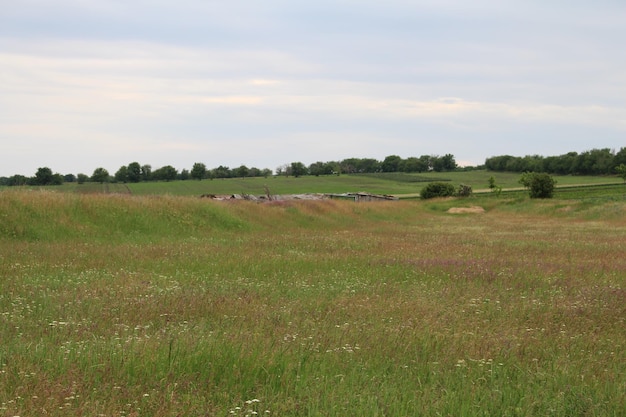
x: 460, y: 210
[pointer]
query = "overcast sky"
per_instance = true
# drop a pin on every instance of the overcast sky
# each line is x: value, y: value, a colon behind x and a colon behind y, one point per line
x: 102, y: 83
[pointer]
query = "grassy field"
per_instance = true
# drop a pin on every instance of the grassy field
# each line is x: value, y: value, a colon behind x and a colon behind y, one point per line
x: 392, y: 183
x: 119, y: 305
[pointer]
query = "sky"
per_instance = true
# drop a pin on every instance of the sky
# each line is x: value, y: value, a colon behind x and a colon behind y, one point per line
x: 103, y: 83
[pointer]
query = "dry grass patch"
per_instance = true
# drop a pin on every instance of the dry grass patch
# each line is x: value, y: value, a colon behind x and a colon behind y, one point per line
x: 463, y: 210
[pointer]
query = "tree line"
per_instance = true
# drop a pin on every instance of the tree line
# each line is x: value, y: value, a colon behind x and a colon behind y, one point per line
x: 593, y: 162
x: 135, y: 172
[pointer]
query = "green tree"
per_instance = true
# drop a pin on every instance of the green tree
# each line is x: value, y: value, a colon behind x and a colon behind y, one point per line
x: 621, y: 170
x: 82, y: 178
x: 320, y: 168
x: 121, y: 175
x: 198, y: 171
x: 134, y: 172
x: 242, y: 172
x: 221, y: 172
x: 17, y: 180
x: 146, y: 172
x: 368, y: 165
x: 620, y: 157
x: 43, y: 176
x: 391, y: 163
x: 100, y: 175
x: 411, y: 164
x: 496, y: 189
x: 57, y: 179
x: 298, y: 169
x: 540, y: 185
x: 166, y: 173
x: 448, y: 162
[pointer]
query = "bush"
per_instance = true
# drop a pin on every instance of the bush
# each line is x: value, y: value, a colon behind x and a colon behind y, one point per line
x: 539, y: 185
x: 464, y: 190
x: 438, y: 189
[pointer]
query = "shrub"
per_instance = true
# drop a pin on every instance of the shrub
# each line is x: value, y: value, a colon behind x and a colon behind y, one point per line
x: 464, y: 190
x: 540, y: 185
x: 438, y: 189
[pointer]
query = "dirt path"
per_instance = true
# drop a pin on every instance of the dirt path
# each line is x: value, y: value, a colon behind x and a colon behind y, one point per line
x: 488, y: 190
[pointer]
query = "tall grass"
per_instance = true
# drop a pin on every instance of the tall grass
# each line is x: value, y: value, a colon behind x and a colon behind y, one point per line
x: 163, y: 306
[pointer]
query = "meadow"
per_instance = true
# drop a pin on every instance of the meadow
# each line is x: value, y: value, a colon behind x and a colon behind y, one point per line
x: 164, y: 305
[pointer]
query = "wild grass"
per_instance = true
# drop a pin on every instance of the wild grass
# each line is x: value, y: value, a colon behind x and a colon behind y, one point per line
x: 164, y: 306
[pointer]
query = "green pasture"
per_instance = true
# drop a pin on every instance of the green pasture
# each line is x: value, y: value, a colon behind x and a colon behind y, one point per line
x: 383, y: 183
x: 166, y: 305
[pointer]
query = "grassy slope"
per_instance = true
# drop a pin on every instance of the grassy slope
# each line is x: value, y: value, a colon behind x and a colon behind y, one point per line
x: 165, y: 306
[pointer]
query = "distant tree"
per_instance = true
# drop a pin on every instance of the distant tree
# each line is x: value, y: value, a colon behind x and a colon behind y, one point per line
x: 368, y: 165
x: 166, y: 173
x: 146, y: 172
x: 69, y: 178
x: 100, y: 175
x: 121, y: 175
x: 17, y: 180
x: 221, y: 172
x: 298, y: 169
x: 184, y: 175
x: 198, y: 171
x: 391, y: 163
x: 411, y: 164
x: 436, y: 163
x: 266, y: 172
x: 320, y: 168
x: 43, y: 176
x: 448, y: 162
x: 284, y: 169
x: 540, y: 185
x: 82, y: 178
x: 621, y: 171
x: 57, y: 179
x: 594, y: 162
x: 443, y: 163
x: 349, y: 166
x: 620, y: 157
x: 425, y: 163
x: 134, y: 172
x: 241, y: 172
x: 316, y: 168
x: 254, y: 172
x: 531, y: 163
x: 498, y: 163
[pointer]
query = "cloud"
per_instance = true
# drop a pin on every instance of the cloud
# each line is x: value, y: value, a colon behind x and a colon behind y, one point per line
x: 264, y: 83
